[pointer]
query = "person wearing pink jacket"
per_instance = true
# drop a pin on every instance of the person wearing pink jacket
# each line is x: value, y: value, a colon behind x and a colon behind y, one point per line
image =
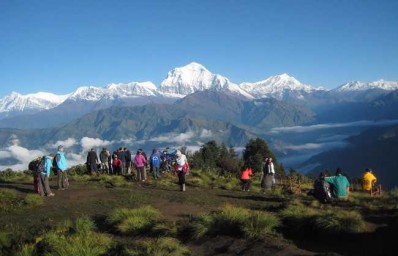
x: 139, y: 163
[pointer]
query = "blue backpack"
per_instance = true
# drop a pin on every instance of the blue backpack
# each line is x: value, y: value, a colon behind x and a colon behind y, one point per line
x: 155, y: 160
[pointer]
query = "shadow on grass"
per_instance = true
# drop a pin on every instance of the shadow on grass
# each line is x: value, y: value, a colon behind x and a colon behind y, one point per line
x: 380, y: 242
x: 255, y: 198
x: 18, y: 187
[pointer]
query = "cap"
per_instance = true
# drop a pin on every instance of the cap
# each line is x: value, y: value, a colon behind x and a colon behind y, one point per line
x: 60, y: 147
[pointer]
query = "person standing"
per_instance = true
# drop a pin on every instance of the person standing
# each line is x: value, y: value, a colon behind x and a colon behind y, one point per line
x: 44, y: 184
x: 104, y: 154
x: 92, y: 160
x: 181, y: 169
x: 60, y: 163
x: 139, y: 163
x: 340, y: 184
x: 245, y: 177
x: 127, y: 156
x: 154, y: 162
x: 267, y: 174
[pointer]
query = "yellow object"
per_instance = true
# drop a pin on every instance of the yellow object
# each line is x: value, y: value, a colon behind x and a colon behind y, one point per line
x: 368, y: 180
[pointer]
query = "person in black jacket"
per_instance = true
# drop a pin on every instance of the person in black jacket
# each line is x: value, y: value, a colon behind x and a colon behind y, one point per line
x: 92, y: 161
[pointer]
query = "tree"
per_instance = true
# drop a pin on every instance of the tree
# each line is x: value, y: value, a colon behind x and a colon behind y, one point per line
x: 256, y: 150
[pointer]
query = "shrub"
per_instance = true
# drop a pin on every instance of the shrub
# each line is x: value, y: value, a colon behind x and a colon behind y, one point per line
x: 297, y: 217
x: 159, y: 247
x: 33, y: 200
x: 231, y: 221
x: 114, y: 180
x: 340, y: 221
x: 134, y: 220
x: 9, y: 175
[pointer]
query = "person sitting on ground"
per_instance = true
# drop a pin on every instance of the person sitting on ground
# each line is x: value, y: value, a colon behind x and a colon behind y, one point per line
x: 245, y: 177
x: 369, y: 180
x: 322, y: 189
x: 341, y: 185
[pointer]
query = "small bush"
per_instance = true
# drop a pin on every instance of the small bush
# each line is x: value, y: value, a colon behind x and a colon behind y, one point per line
x: 231, y: 221
x: 33, y: 200
x: 134, y: 220
x: 159, y: 247
x: 84, y: 226
x: 340, y: 221
x: 76, y: 239
x: 297, y: 217
x: 9, y: 175
x: 112, y: 180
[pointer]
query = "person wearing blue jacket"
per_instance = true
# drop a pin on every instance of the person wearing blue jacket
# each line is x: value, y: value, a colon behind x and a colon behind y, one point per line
x: 61, y: 164
x: 154, y: 162
x: 44, y: 185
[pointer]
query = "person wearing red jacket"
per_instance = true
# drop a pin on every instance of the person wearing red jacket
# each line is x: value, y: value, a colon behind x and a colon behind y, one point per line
x: 245, y: 178
x: 117, y: 165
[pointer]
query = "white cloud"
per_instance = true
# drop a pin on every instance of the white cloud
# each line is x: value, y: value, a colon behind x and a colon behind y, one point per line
x: 303, y: 146
x: 206, y: 134
x: 21, y: 154
x: 88, y: 143
x: 174, y: 138
x: 310, y: 128
x: 65, y: 143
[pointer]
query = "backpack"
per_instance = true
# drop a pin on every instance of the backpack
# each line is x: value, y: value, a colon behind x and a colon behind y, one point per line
x: 155, y: 160
x: 37, y: 164
x: 55, y: 164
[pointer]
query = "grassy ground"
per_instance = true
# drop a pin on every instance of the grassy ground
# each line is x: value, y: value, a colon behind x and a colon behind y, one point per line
x: 213, y: 217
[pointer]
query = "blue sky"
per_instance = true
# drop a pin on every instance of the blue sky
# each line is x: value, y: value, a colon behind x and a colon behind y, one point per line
x: 57, y: 46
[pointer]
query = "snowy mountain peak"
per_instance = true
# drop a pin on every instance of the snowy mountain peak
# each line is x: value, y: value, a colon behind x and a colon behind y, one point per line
x: 33, y: 102
x: 195, y: 77
x: 360, y: 86
x: 115, y: 90
x: 277, y: 87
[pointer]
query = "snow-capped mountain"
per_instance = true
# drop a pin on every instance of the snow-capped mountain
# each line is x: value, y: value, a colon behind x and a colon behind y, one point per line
x: 194, y: 77
x: 29, y: 103
x: 186, y: 80
x: 277, y: 87
x: 114, y: 91
x: 360, y: 86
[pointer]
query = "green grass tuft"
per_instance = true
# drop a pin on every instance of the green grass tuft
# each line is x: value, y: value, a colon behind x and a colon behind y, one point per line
x: 340, y: 221
x: 134, y: 220
x: 231, y: 221
x: 159, y: 247
x: 33, y: 200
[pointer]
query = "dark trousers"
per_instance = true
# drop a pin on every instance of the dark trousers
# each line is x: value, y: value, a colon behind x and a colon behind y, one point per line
x: 62, y: 179
x: 246, y: 184
x: 181, y: 177
x: 44, y: 186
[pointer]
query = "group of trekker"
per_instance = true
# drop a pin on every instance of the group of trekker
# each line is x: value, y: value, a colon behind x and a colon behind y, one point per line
x: 325, y: 189
x: 120, y: 162
x: 43, y: 167
x: 267, y: 179
x: 337, y: 187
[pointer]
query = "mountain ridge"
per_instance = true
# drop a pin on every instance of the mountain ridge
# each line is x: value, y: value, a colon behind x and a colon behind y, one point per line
x: 186, y: 80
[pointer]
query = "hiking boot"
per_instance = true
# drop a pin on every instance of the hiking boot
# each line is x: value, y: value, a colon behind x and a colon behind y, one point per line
x: 51, y: 194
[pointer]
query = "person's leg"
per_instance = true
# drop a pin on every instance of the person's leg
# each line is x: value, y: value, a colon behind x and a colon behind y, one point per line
x: 40, y: 184
x: 65, y: 179
x: 47, y: 186
x: 60, y: 179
